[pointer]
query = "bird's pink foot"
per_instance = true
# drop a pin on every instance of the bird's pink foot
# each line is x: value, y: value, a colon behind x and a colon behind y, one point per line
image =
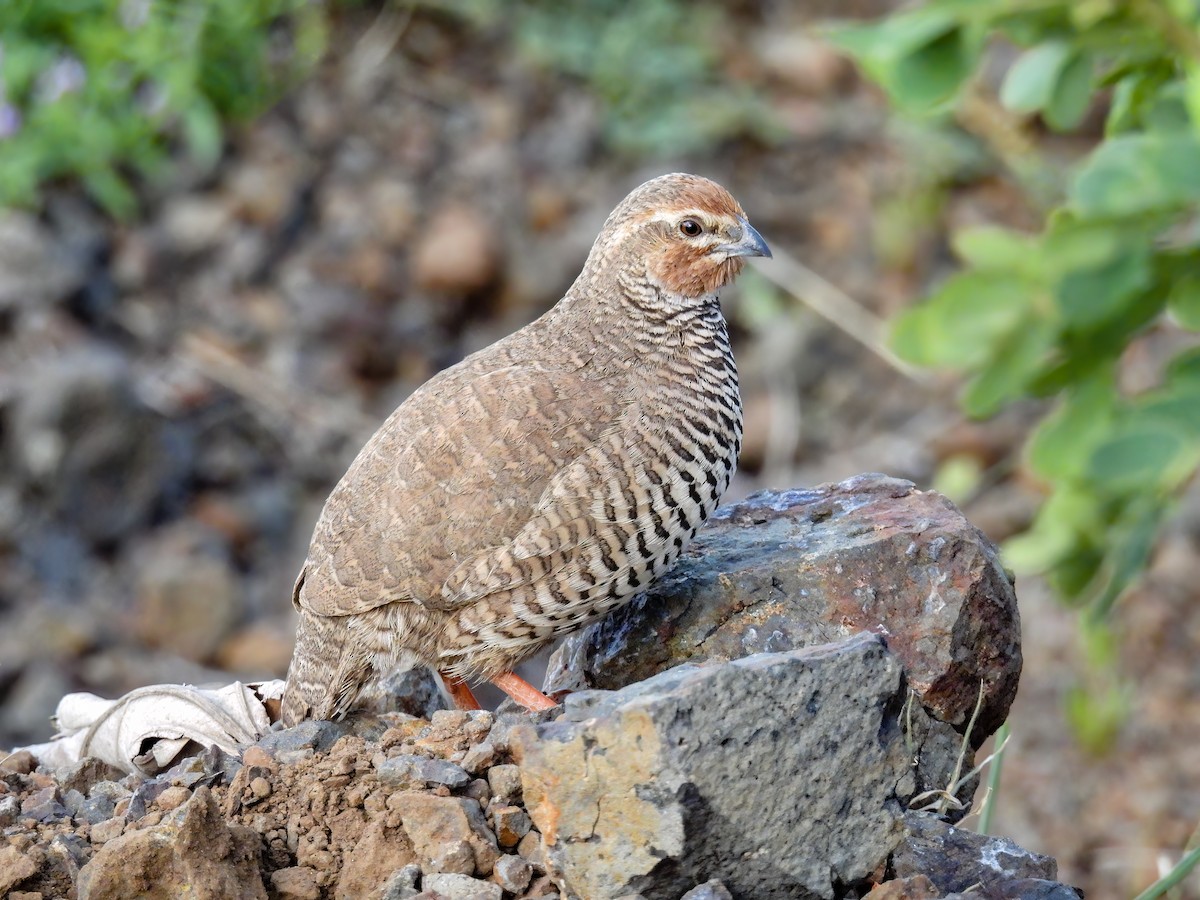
x: 523, y: 692
x: 460, y: 692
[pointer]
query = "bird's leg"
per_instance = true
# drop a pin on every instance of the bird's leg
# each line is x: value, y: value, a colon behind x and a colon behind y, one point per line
x: 460, y: 692
x: 523, y: 692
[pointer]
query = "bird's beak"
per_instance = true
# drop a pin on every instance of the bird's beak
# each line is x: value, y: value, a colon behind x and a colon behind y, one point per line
x: 750, y: 244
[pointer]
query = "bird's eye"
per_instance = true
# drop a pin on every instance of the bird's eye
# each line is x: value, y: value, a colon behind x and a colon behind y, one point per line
x: 691, y: 227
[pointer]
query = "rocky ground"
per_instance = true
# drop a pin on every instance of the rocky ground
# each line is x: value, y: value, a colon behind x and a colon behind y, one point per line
x: 178, y: 394
x: 791, y: 737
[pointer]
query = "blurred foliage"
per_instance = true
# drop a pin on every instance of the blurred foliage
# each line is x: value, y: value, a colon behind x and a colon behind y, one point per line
x: 1050, y: 314
x: 655, y: 65
x: 100, y: 90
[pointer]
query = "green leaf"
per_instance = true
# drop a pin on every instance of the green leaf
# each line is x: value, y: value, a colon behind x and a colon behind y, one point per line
x: 1138, y: 173
x: 1060, y: 529
x: 1061, y: 445
x: 920, y: 57
x: 1177, y: 404
x: 1074, y: 574
x: 111, y: 192
x: 1184, y: 302
x: 1072, y: 94
x: 1030, y: 83
x: 1135, y: 91
x: 1136, y: 456
x: 958, y: 325
x: 1015, y: 361
x: 1130, y: 543
x: 994, y: 249
x: 1070, y: 245
x: 202, y: 128
x: 1185, y: 368
x: 958, y: 477
x: 1097, y: 717
x: 1168, y: 110
x: 1086, y: 297
x: 932, y: 75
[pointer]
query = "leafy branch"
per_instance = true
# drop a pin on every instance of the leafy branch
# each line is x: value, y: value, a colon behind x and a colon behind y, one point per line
x: 1050, y: 314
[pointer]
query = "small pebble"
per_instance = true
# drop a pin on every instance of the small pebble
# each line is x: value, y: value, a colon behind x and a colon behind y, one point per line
x: 710, y: 890
x: 408, y: 769
x: 512, y: 824
x: 10, y: 808
x: 478, y: 758
x: 44, y: 806
x: 96, y: 809
x: 479, y: 790
x: 110, y: 789
x: 260, y: 788
x: 505, y: 782
x: 257, y: 756
x: 462, y: 887
x: 296, y: 883
x: 403, y: 883
x: 533, y: 851
x: 21, y: 763
x: 173, y: 798
x: 456, y: 857
x: 449, y: 719
x: 512, y: 873
x: 102, y: 832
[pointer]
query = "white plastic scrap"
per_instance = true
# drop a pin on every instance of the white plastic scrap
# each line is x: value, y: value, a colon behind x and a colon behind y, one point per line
x: 149, y: 728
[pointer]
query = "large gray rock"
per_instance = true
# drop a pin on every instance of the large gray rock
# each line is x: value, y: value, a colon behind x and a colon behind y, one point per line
x: 782, y: 775
x: 791, y: 569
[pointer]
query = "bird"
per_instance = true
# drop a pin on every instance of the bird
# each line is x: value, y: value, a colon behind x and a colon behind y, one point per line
x: 542, y: 481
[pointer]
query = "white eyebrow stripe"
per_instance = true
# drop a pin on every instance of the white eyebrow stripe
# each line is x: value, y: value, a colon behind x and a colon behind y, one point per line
x: 677, y: 214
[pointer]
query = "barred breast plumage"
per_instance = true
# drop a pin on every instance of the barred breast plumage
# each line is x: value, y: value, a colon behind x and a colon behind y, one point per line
x: 543, y: 480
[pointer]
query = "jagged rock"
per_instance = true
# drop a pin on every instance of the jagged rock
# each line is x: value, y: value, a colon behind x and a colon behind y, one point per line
x: 86, y: 774
x: 414, y: 691
x: 408, y: 769
x: 954, y: 859
x: 380, y: 852
x: 710, y: 890
x: 193, y: 852
x: 791, y: 569
x: 434, y: 822
x: 782, y: 775
x: 10, y: 808
x: 918, y: 887
x: 296, y: 883
x: 462, y: 887
x: 1019, y: 889
x: 512, y: 873
x: 301, y: 740
x: 15, y: 867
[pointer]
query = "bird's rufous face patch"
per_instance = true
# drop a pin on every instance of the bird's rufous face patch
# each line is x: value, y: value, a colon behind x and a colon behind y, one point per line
x: 678, y: 224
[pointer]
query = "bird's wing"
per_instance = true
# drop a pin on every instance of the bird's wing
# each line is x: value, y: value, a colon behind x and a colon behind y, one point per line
x: 457, y: 470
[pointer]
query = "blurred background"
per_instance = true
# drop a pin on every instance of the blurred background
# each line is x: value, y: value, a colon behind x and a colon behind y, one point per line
x: 237, y: 233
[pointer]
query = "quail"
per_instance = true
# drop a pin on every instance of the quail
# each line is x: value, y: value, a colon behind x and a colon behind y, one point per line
x: 541, y: 481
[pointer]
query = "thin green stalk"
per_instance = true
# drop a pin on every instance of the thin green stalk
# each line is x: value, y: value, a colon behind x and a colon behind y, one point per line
x: 1172, y: 878
x: 993, y: 783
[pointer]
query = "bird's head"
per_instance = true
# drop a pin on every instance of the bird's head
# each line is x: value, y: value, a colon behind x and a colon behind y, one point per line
x: 689, y: 233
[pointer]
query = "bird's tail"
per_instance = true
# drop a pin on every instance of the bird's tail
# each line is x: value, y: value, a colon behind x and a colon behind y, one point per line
x: 328, y: 670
